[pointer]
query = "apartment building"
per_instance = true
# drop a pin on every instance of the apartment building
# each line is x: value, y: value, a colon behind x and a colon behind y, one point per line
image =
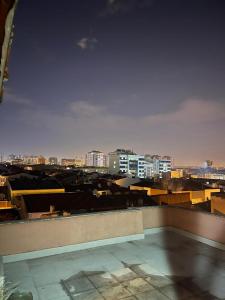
x: 96, y: 159
x: 127, y: 162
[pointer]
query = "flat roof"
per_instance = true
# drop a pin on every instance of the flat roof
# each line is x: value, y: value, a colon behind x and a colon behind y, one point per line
x: 165, y: 265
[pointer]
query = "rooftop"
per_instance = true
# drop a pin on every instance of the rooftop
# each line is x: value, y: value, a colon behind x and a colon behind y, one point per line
x: 165, y: 265
x: 188, y: 185
x: 24, y: 183
x: 148, y: 183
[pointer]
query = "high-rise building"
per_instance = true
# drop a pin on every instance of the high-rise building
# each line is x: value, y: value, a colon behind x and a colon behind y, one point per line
x: 157, y: 165
x: 96, y: 159
x: 165, y: 165
x: 127, y: 162
x: 53, y: 160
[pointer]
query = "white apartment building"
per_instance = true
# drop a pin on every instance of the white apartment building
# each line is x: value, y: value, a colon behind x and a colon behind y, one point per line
x: 127, y: 162
x: 157, y: 165
x: 96, y: 159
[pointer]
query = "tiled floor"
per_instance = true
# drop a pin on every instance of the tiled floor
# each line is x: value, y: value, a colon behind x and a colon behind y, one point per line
x: 163, y: 266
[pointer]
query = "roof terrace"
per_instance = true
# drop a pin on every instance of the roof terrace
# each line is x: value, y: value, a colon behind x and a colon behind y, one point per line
x: 147, y: 253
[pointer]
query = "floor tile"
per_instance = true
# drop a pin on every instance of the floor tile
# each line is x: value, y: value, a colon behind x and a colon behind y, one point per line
x: 169, y: 262
x: 76, y: 284
x: 102, y: 279
x: 124, y: 274
x: 88, y: 295
x: 114, y: 292
x: 158, y: 281
x: 52, y: 292
x: 151, y: 295
x: 137, y: 285
x: 146, y: 270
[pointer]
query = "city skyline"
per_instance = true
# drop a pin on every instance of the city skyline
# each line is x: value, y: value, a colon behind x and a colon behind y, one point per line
x: 7, y: 157
x: 147, y: 75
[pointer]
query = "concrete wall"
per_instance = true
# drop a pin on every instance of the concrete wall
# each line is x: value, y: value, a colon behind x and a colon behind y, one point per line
x: 173, y: 199
x: 218, y: 204
x: 199, y: 196
x: 1, y: 278
x: 206, y: 225
x: 29, y: 236
x: 154, y: 217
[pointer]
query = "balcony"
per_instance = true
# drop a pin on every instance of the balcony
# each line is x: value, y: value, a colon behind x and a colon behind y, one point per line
x: 147, y: 253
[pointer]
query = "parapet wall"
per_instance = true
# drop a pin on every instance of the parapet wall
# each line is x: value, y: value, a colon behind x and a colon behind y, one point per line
x: 100, y: 228
x: 20, y: 237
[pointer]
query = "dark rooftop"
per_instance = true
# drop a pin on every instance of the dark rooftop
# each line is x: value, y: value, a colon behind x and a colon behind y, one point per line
x: 72, y: 202
x: 188, y: 184
x: 148, y: 183
x: 24, y: 183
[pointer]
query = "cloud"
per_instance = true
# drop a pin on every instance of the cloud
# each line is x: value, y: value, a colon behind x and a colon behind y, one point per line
x: 15, y: 99
x: 85, y: 109
x: 188, y: 133
x: 194, y: 111
x: 87, y: 43
x: 124, y: 6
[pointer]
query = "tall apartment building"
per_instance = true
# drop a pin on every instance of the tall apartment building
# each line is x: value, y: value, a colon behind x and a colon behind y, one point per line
x: 143, y: 166
x: 126, y: 161
x: 96, y: 159
x: 157, y: 165
x: 165, y: 165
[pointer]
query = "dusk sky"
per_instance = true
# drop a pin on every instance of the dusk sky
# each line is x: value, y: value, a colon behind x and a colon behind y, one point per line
x: 105, y: 74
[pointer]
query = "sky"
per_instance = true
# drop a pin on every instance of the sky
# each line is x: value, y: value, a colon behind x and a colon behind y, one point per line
x: 146, y: 75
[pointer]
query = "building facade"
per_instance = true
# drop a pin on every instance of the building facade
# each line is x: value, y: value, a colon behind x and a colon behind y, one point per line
x: 53, y: 161
x: 127, y: 162
x: 96, y: 159
x: 66, y: 162
x: 34, y: 160
x: 143, y: 166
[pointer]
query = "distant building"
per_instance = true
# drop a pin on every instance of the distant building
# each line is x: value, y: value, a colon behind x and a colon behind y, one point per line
x: 149, y: 169
x: 127, y: 162
x: 79, y: 160
x: 34, y: 160
x: 164, y: 165
x: 208, y: 164
x: 178, y: 173
x: 67, y: 162
x: 143, y: 166
x: 96, y: 159
x: 13, y: 157
x: 41, y: 160
x: 53, y: 161
x: 215, y: 176
x: 157, y: 165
